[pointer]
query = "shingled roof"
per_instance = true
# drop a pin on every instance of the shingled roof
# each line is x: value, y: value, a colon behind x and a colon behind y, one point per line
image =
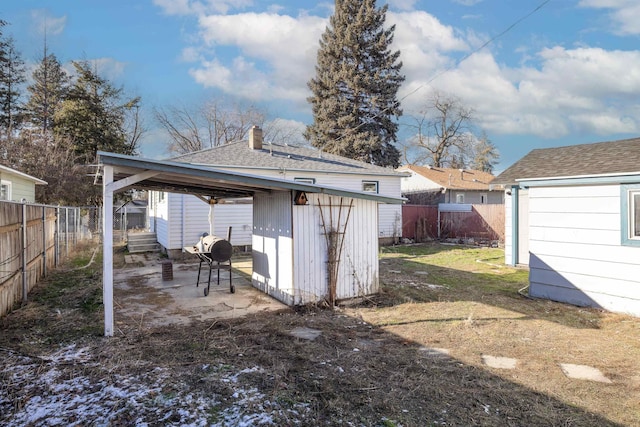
x: 601, y: 158
x: 276, y: 156
x: 454, y: 179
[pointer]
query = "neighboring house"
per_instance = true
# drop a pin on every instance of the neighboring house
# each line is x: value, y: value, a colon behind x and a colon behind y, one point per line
x: 430, y: 186
x: 17, y: 186
x: 573, y: 215
x: 179, y: 219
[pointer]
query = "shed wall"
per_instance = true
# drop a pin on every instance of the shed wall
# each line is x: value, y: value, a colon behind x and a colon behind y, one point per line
x: 576, y: 253
x: 21, y: 188
x: 290, y: 250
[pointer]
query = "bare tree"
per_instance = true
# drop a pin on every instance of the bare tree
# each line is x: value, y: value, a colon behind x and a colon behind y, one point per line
x: 207, y: 126
x: 443, y: 133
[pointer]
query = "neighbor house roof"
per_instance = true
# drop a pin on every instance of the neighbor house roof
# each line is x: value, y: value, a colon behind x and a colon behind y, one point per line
x: 602, y: 158
x: 277, y: 156
x: 5, y: 169
x: 454, y: 179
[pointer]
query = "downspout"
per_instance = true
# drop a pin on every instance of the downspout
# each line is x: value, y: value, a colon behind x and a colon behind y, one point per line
x: 515, y: 227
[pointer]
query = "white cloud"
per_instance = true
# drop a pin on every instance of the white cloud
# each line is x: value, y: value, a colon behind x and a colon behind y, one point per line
x: 625, y: 14
x: 402, y: 4
x: 47, y: 24
x: 467, y: 2
x: 284, y: 47
x: 191, y: 7
x: 552, y: 92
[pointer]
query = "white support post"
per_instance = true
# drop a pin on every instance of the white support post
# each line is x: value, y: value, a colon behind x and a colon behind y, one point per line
x: 211, y: 216
x: 107, y: 249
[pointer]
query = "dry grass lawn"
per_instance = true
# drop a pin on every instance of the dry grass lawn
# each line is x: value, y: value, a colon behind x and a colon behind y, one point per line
x: 377, y: 363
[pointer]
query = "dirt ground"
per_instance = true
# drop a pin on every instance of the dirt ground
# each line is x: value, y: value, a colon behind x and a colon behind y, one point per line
x: 422, y: 352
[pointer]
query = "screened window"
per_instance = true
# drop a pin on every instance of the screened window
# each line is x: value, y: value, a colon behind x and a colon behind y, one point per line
x: 5, y: 190
x: 634, y: 214
x: 370, y: 186
x: 630, y: 198
x: 460, y: 198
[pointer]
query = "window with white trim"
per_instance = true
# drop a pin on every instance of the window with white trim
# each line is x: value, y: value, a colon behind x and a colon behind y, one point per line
x: 370, y: 186
x: 460, y: 198
x: 305, y: 180
x: 5, y: 190
x: 483, y: 198
x: 630, y: 198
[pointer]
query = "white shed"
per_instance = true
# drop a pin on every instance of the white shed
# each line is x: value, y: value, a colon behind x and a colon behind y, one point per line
x: 573, y: 216
x: 296, y: 240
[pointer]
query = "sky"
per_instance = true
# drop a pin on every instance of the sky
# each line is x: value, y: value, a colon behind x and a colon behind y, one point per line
x: 536, y: 73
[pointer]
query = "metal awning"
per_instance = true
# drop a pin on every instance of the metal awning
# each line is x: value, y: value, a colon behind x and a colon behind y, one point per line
x: 120, y: 172
x: 175, y: 177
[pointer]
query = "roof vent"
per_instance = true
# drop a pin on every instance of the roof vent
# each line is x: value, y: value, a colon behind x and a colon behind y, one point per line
x: 255, y: 138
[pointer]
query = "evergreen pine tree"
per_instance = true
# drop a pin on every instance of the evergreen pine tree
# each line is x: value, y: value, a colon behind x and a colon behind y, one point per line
x: 93, y: 116
x: 354, y: 99
x: 50, y: 84
x: 12, y: 75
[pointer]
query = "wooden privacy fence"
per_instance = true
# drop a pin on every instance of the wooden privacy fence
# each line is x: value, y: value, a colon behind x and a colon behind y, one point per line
x: 481, y: 222
x: 34, y: 239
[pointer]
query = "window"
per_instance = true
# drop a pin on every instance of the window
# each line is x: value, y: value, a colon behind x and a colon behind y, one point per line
x: 161, y: 196
x: 5, y: 190
x: 460, y: 198
x: 305, y: 180
x: 370, y: 186
x: 483, y: 198
x: 630, y: 197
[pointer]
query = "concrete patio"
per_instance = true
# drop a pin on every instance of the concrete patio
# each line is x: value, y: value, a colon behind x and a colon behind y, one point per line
x: 141, y: 294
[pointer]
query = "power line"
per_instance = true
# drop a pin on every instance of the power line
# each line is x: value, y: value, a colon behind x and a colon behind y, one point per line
x: 478, y: 49
x: 456, y: 63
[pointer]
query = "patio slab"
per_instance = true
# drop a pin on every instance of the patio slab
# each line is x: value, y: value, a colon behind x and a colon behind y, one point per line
x: 141, y: 293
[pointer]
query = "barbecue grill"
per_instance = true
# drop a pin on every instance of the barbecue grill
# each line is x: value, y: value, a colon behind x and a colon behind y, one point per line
x: 216, y: 253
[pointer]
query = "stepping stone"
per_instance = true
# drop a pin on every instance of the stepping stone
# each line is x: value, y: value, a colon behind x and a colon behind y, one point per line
x: 499, y: 362
x: 306, y: 333
x: 422, y: 273
x: 584, y: 372
x: 434, y: 352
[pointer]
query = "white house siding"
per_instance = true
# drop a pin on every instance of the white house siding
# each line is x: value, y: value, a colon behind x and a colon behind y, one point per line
x: 417, y: 182
x: 388, y: 227
x: 576, y: 253
x: 358, y: 269
x: 272, y: 245
x: 290, y: 250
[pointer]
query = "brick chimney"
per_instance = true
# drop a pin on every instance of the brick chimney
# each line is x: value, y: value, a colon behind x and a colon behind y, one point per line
x: 255, y: 138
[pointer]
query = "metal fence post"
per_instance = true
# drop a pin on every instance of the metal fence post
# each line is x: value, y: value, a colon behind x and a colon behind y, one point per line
x: 56, y: 240
x: 44, y: 241
x: 25, y: 286
x: 66, y: 232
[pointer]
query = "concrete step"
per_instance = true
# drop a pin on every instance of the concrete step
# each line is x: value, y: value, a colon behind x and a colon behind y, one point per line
x: 142, y: 242
x: 148, y: 247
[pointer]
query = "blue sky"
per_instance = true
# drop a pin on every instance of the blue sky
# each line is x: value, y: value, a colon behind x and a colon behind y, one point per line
x: 567, y: 74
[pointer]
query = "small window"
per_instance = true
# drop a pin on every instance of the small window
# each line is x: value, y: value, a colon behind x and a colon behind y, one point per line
x: 460, y: 198
x: 5, y: 190
x: 630, y: 197
x: 483, y: 198
x: 370, y: 186
x: 161, y: 196
x: 305, y: 180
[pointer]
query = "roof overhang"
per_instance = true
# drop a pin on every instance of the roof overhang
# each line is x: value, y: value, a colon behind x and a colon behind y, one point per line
x: 23, y: 175
x: 601, y: 179
x: 200, y: 180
